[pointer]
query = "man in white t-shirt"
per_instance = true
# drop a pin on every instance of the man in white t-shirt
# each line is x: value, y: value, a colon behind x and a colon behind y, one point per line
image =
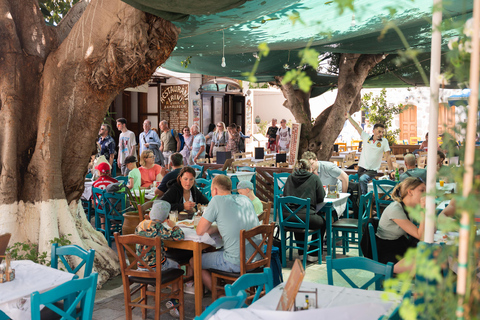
x: 373, y: 148
x: 283, y: 136
x: 126, y: 145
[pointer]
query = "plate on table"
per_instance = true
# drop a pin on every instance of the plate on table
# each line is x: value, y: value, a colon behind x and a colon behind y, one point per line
x: 186, y: 224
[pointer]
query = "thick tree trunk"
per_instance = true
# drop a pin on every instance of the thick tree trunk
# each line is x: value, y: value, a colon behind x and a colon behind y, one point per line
x: 54, y: 91
x: 320, y: 136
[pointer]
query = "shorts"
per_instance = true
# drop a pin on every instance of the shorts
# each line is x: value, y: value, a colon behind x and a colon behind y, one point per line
x: 215, y: 260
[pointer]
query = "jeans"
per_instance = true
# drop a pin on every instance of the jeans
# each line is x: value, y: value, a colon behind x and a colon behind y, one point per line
x: 365, y: 176
x: 215, y: 260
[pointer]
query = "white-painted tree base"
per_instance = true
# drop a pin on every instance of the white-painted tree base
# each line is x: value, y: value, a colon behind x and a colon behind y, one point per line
x: 41, y: 222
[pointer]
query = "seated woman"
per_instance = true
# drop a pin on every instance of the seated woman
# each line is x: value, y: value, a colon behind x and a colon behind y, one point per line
x: 396, y: 232
x: 302, y: 183
x: 149, y: 170
x: 183, y: 195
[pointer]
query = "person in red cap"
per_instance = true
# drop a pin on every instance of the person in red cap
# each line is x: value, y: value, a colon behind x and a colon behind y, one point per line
x: 105, y: 179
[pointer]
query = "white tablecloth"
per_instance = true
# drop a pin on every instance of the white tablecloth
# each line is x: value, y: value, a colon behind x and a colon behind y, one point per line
x: 213, y: 240
x: 334, y: 303
x: 87, y: 191
x: 339, y: 204
x: 29, y: 277
x: 242, y: 176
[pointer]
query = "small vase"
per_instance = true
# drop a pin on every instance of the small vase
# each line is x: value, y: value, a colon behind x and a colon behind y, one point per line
x: 130, y: 222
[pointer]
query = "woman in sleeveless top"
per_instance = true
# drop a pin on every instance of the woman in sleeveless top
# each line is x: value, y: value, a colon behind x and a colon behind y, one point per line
x: 219, y: 140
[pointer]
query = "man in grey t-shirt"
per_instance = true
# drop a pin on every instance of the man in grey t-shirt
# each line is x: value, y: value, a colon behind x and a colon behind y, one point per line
x: 412, y: 170
x: 328, y: 172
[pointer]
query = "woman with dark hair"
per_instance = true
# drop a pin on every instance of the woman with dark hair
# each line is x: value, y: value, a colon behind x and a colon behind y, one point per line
x: 183, y: 195
x: 208, y: 139
x: 233, y: 139
x: 302, y: 183
x: 396, y: 232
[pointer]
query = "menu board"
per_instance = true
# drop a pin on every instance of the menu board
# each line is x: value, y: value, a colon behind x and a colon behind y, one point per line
x: 287, y: 300
x: 294, y: 143
x: 174, y: 105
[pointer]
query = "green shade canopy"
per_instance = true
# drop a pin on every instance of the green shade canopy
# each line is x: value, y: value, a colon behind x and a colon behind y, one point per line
x: 246, y: 24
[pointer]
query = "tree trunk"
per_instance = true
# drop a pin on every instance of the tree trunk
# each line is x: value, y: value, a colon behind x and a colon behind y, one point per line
x: 320, y: 136
x: 55, y: 89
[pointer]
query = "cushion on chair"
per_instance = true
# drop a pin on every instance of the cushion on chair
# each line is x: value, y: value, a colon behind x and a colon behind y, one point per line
x: 235, y: 274
x: 346, y: 223
x: 298, y: 230
x: 167, y: 276
x: 48, y: 314
x: 179, y: 255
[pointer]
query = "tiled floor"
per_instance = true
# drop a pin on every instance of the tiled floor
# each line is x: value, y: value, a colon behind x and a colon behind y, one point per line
x: 109, y: 304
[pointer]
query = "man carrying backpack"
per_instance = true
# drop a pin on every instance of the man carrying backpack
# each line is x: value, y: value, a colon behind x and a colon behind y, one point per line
x: 170, y: 141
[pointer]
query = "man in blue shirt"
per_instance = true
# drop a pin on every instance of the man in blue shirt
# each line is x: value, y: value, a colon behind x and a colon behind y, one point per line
x: 148, y: 138
x: 106, y: 144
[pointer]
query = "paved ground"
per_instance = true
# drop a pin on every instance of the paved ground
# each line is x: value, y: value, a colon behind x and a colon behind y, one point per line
x: 109, y: 303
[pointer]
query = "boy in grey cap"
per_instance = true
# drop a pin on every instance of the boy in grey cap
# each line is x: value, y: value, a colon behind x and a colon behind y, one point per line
x: 245, y: 188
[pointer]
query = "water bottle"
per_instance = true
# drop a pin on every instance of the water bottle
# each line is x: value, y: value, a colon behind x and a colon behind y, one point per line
x: 397, y: 175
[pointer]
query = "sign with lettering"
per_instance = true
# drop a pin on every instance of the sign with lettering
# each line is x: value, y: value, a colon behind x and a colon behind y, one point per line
x: 294, y: 143
x: 174, y: 105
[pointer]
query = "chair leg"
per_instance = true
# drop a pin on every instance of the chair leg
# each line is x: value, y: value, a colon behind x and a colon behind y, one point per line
x: 334, y: 244
x: 214, y: 287
x: 143, y: 297
x: 181, y: 308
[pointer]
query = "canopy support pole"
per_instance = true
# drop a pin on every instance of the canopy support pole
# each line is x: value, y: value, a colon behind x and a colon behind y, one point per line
x: 433, y: 121
x: 464, y: 277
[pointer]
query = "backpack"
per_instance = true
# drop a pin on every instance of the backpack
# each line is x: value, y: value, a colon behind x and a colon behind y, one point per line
x: 241, y: 145
x: 365, y: 241
x: 182, y: 140
x: 354, y: 199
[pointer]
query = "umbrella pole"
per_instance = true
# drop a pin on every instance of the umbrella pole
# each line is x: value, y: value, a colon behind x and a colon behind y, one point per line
x: 463, y: 276
x: 433, y: 122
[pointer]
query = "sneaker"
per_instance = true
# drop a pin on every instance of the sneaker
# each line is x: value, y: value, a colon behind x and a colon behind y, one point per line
x: 312, y: 258
x: 172, y: 303
x: 175, y: 313
x: 189, y: 288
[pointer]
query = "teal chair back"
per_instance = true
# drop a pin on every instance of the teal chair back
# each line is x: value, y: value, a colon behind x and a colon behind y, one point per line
x: 373, y: 241
x: 235, y: 181
x: 233, y: 302
x: 380, y: 271
x: 353, y: 177
x: 98, y: 202
x: 204, y: 186
x: 79, y: 290
x: 383, y: 190
x: 261, y: 282
x: 254, y: 177
x: 278, y: 185
x: 89, y: 176
x: 211, y: 172
x: 288, y: 209
x: 199, y: 168
x: 115, y: 205
x: 122, y: 178
x: 59, y: 253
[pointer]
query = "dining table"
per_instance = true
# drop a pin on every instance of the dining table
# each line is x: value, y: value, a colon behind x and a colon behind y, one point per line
x: 196, y: 244
x: 29, y: 277
x: 333, y: 303
x: 241, y: 175
x: 87, y: 191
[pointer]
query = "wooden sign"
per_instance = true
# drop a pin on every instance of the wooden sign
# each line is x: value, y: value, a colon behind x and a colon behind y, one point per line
x: 294, y: 143
x: 174, y: 105
x: 287, y: 300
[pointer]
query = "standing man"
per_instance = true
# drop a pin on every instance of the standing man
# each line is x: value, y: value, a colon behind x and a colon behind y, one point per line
x: 148, y: 138
x: 372, y: 151
x: 170, y: 141
x: 231, y: 213
x: 106, y: 144
x: 198, y: 145
x: 283, y: 137
x: 272, y: 135
x: 126, y: 145
x: 328, y: 172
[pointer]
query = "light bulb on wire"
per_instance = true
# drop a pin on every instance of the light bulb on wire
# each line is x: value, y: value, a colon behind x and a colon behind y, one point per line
x: 223, y: 64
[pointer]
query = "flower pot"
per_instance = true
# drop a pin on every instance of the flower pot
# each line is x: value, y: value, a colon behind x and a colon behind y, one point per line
x: 130, y: 222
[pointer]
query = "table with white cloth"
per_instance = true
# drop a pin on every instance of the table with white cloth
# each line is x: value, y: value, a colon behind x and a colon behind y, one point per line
x: 149, y: 193
x: 333, y: 303
x: 196, y: 244
x: 337, y: 204
x: 87, y: 191
x: 29, y: 277
x: 242, y: 176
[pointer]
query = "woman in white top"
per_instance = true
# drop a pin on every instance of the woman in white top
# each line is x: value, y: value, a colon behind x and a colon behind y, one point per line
x: 219, y: 140
x: 396, y: 232
x: 187, y: 147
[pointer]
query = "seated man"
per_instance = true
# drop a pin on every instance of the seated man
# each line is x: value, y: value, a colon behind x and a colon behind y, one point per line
x: 232, y: 213
x: 155, y: 228
x: 176, y: 161
x: 412, y: 170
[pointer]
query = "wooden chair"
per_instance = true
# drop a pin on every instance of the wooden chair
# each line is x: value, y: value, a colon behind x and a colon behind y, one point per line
x: 242, y: 163
x: 267, y: 208
x: 282, y: 164
x: 381, y: 271
x: 78, y: 290
x: 152, y: 277
x: 198, y: 168
x: 249, y: 154
x: 4, y: 239
x: 342, y: 146
x: 268, y: 157
x: 355, y: 144
x: 227, y: 165
x: 415, y: 140
x: 247, y: 264
x: 269, y: 163
x: 142, y: 209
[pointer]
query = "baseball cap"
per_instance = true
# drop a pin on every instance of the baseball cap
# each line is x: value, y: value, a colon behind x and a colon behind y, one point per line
x: 244, y: 185
x: 160, y: 210
x: 130, y: 159
x: 103, y: 167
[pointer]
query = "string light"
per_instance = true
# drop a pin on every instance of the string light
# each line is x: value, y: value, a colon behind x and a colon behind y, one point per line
x: 223, y: 57
x: 353, y: 23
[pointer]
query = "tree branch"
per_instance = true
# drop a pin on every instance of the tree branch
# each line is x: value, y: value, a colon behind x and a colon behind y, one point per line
x: 73, y: 15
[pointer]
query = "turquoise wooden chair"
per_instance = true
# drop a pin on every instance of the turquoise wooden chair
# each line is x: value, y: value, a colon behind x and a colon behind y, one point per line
x: 87, y: 208
x: 381, y: 271
x: 352, y: 229
x: 233, y: 302
x: 122, y: 178
x: 373, y: 242
x: 97, y: 195
x: 211, y: 172
x: 199, y: 168
x: 89, y: 176
x: 82, y: 290
x: 261, y: 283
x: 115, y: 204
x: 292, y: 223
x: 3, y: 316
x: 204, y: 186
x: 254, y: 177
x: 383, y: 190
x: 59, y: 253
x: 278, y: 185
